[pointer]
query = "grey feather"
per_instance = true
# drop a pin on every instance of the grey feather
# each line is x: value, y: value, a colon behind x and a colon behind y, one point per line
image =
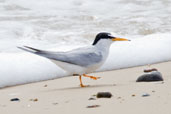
x: 82, y: 57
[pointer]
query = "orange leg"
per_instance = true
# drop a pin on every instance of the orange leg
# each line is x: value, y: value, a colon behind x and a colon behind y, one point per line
x: 92, y: 77
x: 81, y: 84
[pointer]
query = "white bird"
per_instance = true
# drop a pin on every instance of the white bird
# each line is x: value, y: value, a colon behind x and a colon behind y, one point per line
x: 81, y: 61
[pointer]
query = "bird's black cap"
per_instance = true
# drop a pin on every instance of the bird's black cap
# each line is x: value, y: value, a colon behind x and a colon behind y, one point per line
x: 102, y: 35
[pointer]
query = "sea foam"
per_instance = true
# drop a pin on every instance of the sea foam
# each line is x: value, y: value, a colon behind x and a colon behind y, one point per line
x: 24, y: 67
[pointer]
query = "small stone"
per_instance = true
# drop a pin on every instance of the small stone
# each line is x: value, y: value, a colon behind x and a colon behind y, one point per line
x: 35, y: 100
x: 145, y: 95
x: 150, y: 70
x: 133, y: 95
x: 104, y: 95
x: 91, y: 98
x: 15, y: 99
x: 45, y: 85
x: 150, y: 77
x: 93, y: 106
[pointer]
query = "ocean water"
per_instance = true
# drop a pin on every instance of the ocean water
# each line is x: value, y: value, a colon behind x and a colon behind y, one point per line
x: 59, y: 25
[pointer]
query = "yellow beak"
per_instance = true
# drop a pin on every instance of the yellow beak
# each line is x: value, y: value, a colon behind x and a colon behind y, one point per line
x: 119, y: 39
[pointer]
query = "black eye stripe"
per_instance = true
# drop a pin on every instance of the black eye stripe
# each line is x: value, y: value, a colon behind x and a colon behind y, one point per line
x: 102, y: 35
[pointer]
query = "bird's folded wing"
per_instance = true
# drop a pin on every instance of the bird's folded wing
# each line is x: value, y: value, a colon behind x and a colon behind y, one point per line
x: 76, y: 57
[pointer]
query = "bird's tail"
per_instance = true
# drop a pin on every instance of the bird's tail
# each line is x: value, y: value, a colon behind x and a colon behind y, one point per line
x: 39, y: 52
x: 29, y: 49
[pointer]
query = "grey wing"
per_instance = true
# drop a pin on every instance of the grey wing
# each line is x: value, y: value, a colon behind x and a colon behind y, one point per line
x: 81, y: 57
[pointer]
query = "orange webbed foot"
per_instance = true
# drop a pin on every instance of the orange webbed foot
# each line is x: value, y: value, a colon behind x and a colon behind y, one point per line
x: 81, y: 85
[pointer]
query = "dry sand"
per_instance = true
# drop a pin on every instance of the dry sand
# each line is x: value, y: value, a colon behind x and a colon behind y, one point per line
x: 64, y: 96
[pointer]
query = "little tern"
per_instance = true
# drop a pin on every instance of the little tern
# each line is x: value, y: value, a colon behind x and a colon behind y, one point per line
x: 81, y: 61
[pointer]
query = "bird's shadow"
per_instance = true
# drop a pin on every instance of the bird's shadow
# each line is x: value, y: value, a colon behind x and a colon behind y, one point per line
x: 87, y: 87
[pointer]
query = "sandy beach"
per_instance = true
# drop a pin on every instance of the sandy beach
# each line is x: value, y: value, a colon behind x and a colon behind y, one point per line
x: 64, y: 96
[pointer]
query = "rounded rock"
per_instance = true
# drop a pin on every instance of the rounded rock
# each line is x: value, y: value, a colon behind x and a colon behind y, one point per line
x: 150, y: 77
x: 104, y: 95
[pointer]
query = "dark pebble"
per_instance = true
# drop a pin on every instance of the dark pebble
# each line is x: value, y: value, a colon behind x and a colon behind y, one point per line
x: 15, y: 99
x: 150, y: 77
x: 150, y: 70
x: 104, y: 95
x: 133, y: 95
x: 145, y: 95
x: 91, y: 98
x: 93, y: 106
